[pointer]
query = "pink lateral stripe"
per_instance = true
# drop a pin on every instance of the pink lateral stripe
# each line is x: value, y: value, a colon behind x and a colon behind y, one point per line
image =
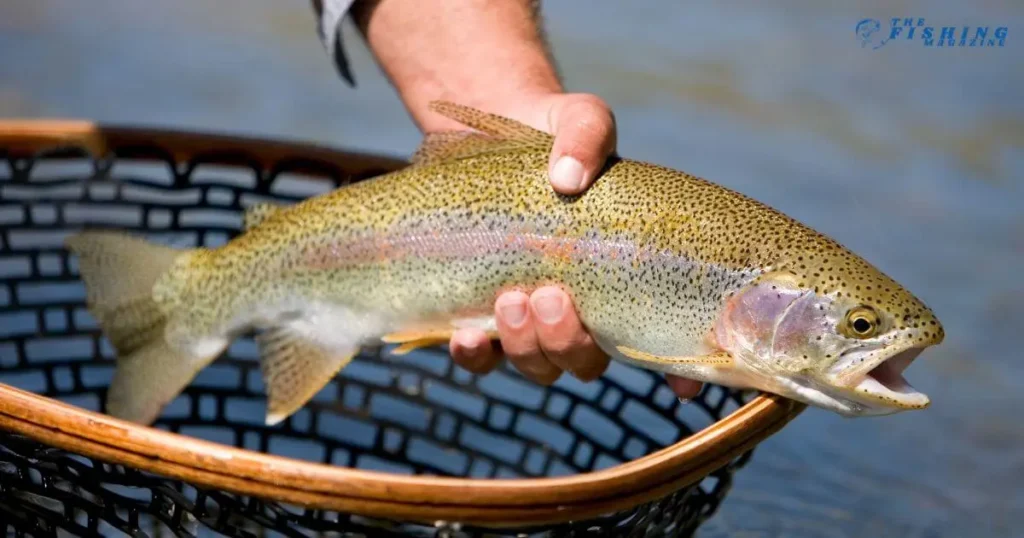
x: 469, y: 244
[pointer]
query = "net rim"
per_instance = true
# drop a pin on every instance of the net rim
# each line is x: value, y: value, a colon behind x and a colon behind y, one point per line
x: 491, y: 502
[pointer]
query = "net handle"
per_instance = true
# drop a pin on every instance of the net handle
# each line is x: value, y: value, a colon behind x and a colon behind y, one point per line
x: 26, y: 138
x: 487, y: 502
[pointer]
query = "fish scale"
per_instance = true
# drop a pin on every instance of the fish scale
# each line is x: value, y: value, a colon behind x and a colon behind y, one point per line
x: 667, y: 271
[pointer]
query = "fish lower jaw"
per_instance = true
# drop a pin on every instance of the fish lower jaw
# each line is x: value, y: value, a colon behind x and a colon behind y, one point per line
x: 898, y: 396
x: 885, y: 384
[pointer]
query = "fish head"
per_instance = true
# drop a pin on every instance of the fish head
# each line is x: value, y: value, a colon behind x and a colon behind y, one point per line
x: 842, y: 347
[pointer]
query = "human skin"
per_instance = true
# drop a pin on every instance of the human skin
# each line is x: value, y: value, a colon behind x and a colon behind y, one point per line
x: 490, y: 54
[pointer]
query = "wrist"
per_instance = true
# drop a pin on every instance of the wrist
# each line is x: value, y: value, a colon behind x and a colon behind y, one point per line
x: 488, y: 55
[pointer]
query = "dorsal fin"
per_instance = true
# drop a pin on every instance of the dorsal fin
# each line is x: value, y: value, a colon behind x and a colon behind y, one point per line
x: 257, y: 213
x: 495, y: 134
x: 492, y: 124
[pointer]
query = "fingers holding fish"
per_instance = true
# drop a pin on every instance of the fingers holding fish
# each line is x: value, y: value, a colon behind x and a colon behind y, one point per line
x: 519, y: 338
x: 546, y: 337
x: 585, y: 136
x: 562, y: 337
x: 471, y: 349
x: 686, y: 389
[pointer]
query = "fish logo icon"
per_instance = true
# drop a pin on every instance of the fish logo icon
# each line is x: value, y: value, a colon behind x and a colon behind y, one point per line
x: 869, y: 31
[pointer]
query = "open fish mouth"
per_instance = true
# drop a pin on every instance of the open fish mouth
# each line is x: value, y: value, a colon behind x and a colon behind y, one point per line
x: 884, y: 384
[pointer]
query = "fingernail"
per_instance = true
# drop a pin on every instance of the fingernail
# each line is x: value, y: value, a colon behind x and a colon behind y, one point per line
x: 684, y: 401
x: 514, y: 313
x: 470, y: 347
x: 567, y: 174
x: 548, y: 306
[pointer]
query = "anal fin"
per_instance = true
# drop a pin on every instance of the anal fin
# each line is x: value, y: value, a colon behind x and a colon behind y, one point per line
x: 295, y: 366
x: 719, y: 358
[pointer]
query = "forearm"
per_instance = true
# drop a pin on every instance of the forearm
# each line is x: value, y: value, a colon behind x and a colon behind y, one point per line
x: 482, y: 53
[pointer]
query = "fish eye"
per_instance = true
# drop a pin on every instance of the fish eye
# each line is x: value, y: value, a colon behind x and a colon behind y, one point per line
x: 861, y: 322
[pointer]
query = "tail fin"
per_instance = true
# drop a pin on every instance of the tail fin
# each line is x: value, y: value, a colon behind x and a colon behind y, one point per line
x: 121, y: 275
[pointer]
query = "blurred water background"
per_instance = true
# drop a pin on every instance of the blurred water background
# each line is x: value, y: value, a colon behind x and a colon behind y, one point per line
x: 910, y: 156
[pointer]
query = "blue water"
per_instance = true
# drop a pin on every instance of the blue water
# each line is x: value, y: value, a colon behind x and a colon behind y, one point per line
x: 910, y: 156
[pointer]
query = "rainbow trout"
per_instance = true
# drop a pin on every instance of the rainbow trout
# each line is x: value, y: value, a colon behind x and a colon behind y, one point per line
x: 668, y: 272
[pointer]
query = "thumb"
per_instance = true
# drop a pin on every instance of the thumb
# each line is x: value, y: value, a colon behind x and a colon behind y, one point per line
x: 584, y: 129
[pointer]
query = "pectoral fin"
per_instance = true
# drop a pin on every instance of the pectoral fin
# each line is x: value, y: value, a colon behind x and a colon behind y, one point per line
x: 436, y: 333
x: 719, y: 358
x: 413, y: 340
x: 295, y: 367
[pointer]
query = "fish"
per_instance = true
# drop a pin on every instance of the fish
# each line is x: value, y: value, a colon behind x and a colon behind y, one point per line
x: 668, y: 272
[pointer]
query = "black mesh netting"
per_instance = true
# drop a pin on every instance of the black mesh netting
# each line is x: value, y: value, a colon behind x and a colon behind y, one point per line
x: 413, y: 414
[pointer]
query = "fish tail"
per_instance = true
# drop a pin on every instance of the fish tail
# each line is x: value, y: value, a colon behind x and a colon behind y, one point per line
x: 133, y: 288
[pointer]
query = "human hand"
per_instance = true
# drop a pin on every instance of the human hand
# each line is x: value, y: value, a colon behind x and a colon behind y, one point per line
x: 541, y: 333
